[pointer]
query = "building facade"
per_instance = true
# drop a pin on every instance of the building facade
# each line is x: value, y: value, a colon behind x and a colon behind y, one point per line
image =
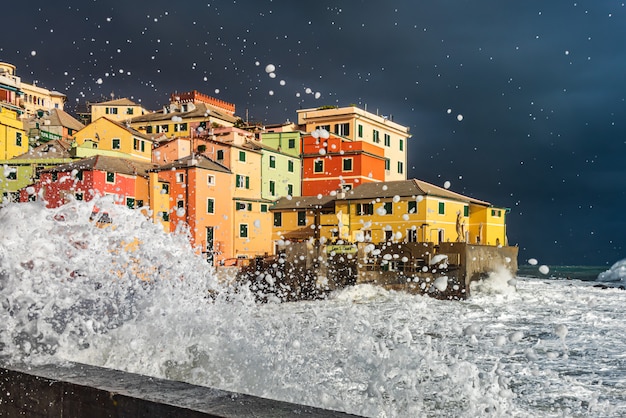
x: 357, y: 124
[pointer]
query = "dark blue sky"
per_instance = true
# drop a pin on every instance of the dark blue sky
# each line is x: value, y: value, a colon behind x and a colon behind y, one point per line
x: 541, y: 87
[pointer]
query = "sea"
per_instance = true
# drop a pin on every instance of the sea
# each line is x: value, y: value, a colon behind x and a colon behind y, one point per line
x: 123, y: 294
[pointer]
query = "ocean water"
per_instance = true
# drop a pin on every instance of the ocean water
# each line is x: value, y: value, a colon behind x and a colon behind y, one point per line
x: 127, y: 296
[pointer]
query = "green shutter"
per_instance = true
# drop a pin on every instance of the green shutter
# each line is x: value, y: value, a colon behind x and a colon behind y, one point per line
x: 442, y: 208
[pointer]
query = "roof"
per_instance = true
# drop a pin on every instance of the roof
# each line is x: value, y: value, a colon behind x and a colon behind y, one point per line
x: 129, y: 129
x: 117, y: 102
x: 303, y: 202
x: 201, y: 110
x: 55, y: 149
x: 106, y: 163
x: 199, y: 161
x: 60, y: 117
x: 404, y: 188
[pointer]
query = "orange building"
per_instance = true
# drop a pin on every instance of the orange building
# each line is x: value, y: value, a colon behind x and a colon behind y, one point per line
x: 335, y: 162
x: 201, y: 198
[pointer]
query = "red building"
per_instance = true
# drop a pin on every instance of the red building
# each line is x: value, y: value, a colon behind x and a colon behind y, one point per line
x: 86, y: 178
x: 335, y: 162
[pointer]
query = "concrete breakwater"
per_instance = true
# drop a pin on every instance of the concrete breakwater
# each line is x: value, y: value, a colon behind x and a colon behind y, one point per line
x: 77, y: 390
x: 307, y: 270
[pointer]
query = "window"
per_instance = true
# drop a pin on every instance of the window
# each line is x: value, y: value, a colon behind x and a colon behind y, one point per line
x: 55, y: 176
x: 249, y: 207
x: 110, y: 110
x: 272, y: 161
x: 210, y: 179
x: 347, y: 164
x: 180, y: 127
x: 210, y: 205
x: 243, y: 182
x: 79, y: 175
x: 165, y: 128
x: 165, y: 189
x: 388, y: 141
x: 388, y: 235
x: 364, y: 209
x: 272, y: 188
x: 360, y: 130
x: 465, y: 210
x: 290, y: 166
x: 318, y: 166
x: 243, y: 230
x: 130, y: 202
x: 412, y: 206
x: 292, y: 143
x: 116, y: 143
x: 263, y: 208
x: 324, y: 127
x: 240, y: 206
x: 81, y: 196
x: 242, y: 156
x: 220, y: 155
x: 495, y: 212
x: 148, y: 129
x: 130, y: 111
x: 411, y: 235
x: 278, y: 219
x: 301, y: 218
x: 110, y: 177
x: 375, y: 136
x: 12, y: 174
x: 387, y: 164
x: 402, y: 145
x: 290, y: 189
x: 442, y: 208
x: 342, y: 129
x: 388, y: 208
x: 18, y: 139
x: 180, y: 177
x: 139, y: 203
x: 136, y: 145
x: 165, y: 216
x: 180, y: 204
x: 400, y: 167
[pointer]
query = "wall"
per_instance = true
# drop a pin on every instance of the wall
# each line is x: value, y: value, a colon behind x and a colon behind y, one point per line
x: 78, y: 390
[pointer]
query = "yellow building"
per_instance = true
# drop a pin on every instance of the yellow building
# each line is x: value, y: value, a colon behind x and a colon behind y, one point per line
x: 393, y: 211
x: 108, y: 135
x: 118, y: 110
x: 360, y: 125
x: 189, y: 114
x: 13, y: 139
x: 30, y: 98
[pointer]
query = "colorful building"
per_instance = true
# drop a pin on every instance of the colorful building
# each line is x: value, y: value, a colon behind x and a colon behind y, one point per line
x: 107, y: 135
x: 188, y: 115
x: 332, y: 163
x: 397, y: 211
x: 25, y: 169
x: 48, y: 125
x: 30, y: 98
x: 281, y: 173
x: 201, y: 199
x: 360, y: 125
x: 117, y: 110
x: 13, y: 140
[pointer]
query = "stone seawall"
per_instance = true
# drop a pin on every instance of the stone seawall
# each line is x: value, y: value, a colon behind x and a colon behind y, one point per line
x: 77, y: 390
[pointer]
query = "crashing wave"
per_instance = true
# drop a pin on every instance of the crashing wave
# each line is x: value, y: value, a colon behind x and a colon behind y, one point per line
x: 617, y: 273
